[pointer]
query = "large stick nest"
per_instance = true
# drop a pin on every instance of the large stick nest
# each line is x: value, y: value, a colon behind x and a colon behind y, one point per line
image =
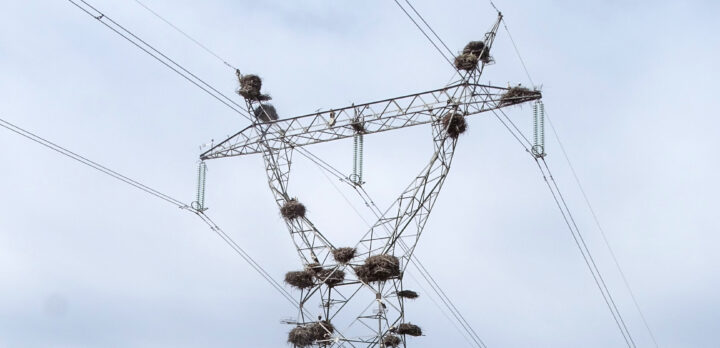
x: 331, y: 276
x: 250, y: 86
x: 408, y: 294
x: 344, y: 255
x: 407, y: 329
x: 292, y: 209
x: 478, y: 49
x: 378, y: 268
x: 300, y: 279
x: 517, y: 95
x: 307, y: 335
x: 265, y: 113
x: 391, y: 341
x: 466, y: 61
x: 454, y: 123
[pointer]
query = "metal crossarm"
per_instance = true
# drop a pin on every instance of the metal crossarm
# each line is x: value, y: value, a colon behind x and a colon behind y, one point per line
x: 410, y: 110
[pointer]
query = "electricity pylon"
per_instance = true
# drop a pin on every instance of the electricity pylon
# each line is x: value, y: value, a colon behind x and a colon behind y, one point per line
x: 339, y: 283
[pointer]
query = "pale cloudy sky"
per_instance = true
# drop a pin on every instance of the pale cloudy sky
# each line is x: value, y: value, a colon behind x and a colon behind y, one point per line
x: 86, y: 261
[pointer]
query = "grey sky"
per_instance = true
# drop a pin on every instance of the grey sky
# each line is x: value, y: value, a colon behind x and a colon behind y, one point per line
x: 86, y: 261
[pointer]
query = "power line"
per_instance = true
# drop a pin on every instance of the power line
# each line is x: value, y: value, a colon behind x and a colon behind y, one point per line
x: 198, y: 43
x: 432, y: 42
x: 602, y: 231
x: 587, y: 200
x: 155, y: 193
x: 577, y: 236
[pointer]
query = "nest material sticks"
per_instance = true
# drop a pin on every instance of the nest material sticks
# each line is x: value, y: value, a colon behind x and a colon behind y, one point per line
x: 292, y: 209
x: 454, y: 123
x: 344, y: 255
x: 300, y: 279
x: 408, y: 294
x: 407, y: 329
x: 517, y: 95
x: 378, y: 268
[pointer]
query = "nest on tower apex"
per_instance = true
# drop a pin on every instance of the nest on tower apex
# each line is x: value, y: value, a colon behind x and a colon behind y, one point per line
x: 378, y: 268
x: 250, y: 86
x: 466, y: 61
x: 307, y: 335
x: 408, y: 294
x: 344, y: 255
x: 454, y: 123
x: 265, y: 113
x: 300, y: 279
x: 292, y: 209
x: 517, y: 95
x: 478, y: 49
x: 331, y: 276
x: 407, y: 329
x: 391, y: 341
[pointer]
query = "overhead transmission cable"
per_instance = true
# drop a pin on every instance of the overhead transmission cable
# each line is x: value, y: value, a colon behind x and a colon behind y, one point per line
x: 155, y: 193
x: 587, y: 201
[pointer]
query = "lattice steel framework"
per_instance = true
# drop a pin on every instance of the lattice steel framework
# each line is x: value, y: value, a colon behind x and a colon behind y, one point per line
x: 398, y: 229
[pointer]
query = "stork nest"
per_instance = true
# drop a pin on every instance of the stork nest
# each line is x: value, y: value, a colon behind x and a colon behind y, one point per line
x: 378, y: 268
x: 266, y: 113
x: 391, y: 341
x: 407, y: 329
x: 300, y: 279
x: 307, y: 335
x: 478, y: 49
x: 454, y: 123
x: 331, y: 276
x: 358, y: 126
x: 344, y: 255
x: 250, y: 86
x: 292, y: 209
x: 408, y: 294
x: 517, y: 95
x: 466, y: 61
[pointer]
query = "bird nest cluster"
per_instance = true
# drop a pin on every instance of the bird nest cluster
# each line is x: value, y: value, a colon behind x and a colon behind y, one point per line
x: 265, y: 112
x: 519, y: 94
x: 391, y: 341
x: 378, y: 268
x: 307, y: 335
x: 300, y: 279
x: 331, y: 276
x: 292, y: 209
x: 473, y: 53
x: 250, y: 86
x: 407, y: 329
x: 408, y: 294
x: 344, y: 255
x: 454, y: 124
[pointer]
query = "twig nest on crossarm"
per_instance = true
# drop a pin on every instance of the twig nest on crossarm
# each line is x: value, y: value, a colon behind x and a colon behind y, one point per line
x: 454, y: 124
x: 310, y: 334
x: 300, y: 279
x: 344, y: 255
x: 292, y: 209
x: 519, y: 94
